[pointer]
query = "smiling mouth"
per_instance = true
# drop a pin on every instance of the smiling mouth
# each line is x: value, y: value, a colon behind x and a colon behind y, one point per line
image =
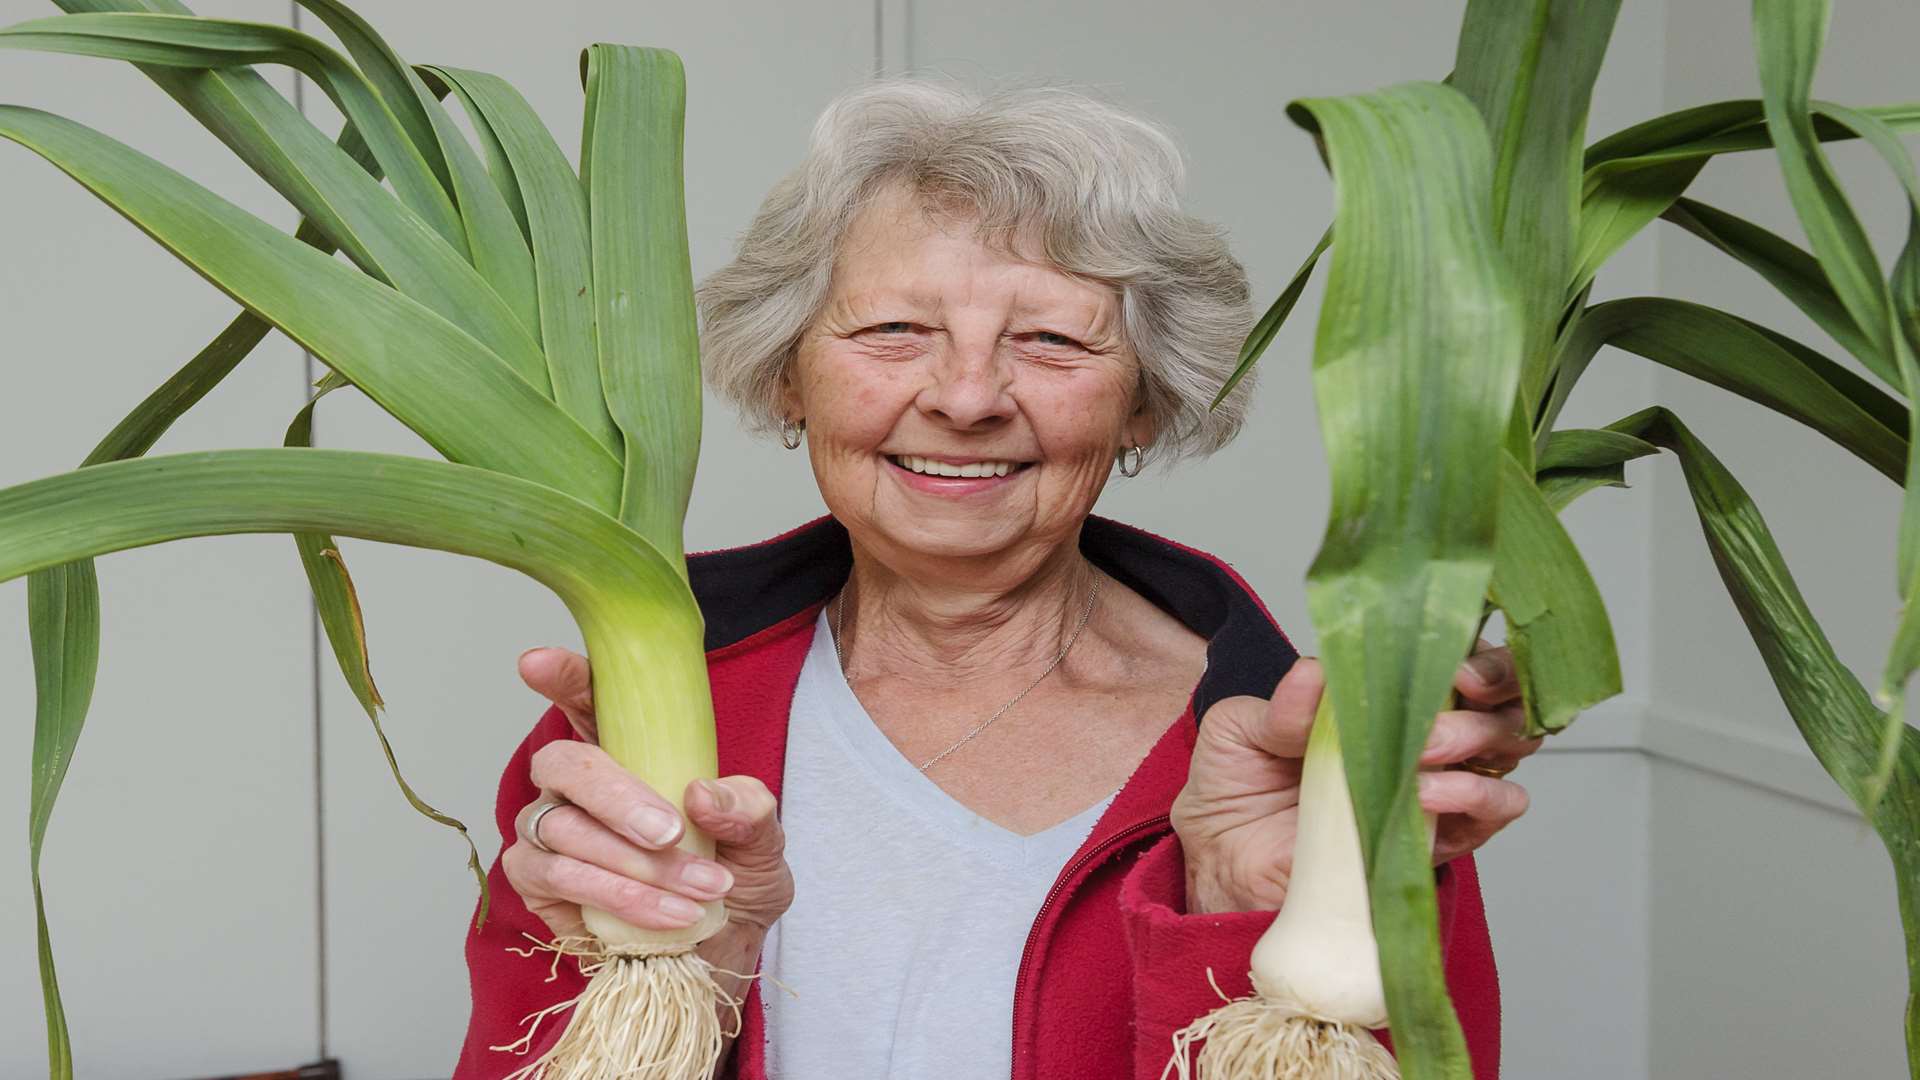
x: 933, y: 467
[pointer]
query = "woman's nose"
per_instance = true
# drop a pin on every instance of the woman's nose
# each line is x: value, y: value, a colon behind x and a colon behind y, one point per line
x: 970, y: 385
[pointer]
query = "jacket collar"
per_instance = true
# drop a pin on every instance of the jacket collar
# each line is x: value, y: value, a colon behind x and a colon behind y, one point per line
x: 748, y: 591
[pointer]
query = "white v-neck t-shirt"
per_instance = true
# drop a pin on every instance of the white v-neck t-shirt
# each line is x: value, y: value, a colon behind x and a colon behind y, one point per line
x: 910, y: 912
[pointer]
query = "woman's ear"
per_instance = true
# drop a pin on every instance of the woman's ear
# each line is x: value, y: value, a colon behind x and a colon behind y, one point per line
x: 791, y: 407
x: 1140, y: 429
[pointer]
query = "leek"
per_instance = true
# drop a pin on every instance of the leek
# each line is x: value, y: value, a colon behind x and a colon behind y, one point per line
x: 533, y: 324
x: 1426, y: 502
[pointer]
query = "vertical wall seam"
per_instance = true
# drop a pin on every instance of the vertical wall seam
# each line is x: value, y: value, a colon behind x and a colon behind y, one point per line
x: 1649, y: 984
x: 308, y: 377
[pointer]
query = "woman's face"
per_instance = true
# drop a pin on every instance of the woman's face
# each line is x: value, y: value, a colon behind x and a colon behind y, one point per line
x: 935, y: 353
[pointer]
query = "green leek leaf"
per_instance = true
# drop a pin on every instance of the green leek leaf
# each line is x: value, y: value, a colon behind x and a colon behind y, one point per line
x: 1724, y: 127
x: 1587, y: 448
x: 426, y: 372
x: 196, y: 43
x: 1270, y: 323
x: 630, y: 162
x: 499, y: 251
x: 1557, y: 625
x: 1787, y: 38
x: 1731, y: 353
x: 1784, y: 265
x: 1578, y: 460
x: 63, y: 621
x: 1529, y: 65
x: 642, y: 627
x: 499, y: 169
x: 1634, y: 175
x: 555, y: 207
x: 1406, y: 367
x: 349, y: 207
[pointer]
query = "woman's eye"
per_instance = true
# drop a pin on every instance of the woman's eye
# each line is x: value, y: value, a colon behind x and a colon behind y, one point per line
x: 1048, y: 337
x: 892, y: 328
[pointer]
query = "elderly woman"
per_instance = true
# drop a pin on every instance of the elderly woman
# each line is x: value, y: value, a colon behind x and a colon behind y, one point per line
x: 1009, y: 781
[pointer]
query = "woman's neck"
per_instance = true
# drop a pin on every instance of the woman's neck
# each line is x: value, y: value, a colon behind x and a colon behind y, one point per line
x: 953, y: 631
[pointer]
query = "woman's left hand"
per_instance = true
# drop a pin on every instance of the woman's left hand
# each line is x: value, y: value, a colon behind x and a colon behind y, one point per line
x: 1236, y: 817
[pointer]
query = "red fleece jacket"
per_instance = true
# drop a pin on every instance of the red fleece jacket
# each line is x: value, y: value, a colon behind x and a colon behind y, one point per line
x: 1113, y: 966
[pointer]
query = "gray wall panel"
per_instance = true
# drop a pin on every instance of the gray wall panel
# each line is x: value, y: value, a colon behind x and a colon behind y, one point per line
x: 1776, y: 948
x: 1567, y: 905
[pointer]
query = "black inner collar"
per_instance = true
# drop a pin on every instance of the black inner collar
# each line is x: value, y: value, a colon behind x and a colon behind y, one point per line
x: 743, y: 591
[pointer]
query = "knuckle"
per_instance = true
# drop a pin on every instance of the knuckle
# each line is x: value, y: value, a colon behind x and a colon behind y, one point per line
x: 555, y: 761
x: 561, y: 827
x: 1234, y: 712
x: 631, y: 895
x: 641, y: 904
x: 513, y: 862
x: 571, y: 880
x: 527, y: 871
x: 756, y: 802
x: 1517, y: 800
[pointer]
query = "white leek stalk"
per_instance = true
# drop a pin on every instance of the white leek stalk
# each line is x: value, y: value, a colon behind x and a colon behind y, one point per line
x: 651, y: 1009
x: 1316, y: 971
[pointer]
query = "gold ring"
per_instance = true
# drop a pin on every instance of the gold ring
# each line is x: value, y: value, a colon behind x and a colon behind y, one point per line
x: 1482, y: 769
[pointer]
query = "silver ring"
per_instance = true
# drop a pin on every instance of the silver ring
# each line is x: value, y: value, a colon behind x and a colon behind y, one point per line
x: 533, y: 824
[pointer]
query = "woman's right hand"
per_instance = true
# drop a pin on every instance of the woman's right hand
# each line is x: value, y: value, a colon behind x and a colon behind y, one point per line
x: 613, y: 846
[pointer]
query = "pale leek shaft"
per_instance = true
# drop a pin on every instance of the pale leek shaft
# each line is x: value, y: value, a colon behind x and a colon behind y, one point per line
x: 1316, y: 971
x: 1319, y: 956
x: 648, y: 671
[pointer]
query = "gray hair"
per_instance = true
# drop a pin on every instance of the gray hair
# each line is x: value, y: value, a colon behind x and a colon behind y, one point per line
x: 1096, y: 187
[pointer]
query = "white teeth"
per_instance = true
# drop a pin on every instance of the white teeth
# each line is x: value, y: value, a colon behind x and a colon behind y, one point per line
x: 930, y: 467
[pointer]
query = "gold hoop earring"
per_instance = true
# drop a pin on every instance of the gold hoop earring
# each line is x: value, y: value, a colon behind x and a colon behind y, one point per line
x: 1131, y: 460
x: 790, y: 433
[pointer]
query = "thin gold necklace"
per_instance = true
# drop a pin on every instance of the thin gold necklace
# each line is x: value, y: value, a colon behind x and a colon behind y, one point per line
x: 1086, y: 612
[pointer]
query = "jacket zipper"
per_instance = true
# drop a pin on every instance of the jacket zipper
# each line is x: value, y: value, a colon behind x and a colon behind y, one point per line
x: 1099, y: 850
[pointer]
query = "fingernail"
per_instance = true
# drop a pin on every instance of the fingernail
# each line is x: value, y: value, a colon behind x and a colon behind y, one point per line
x: 652, y: 825
x: 722, y: 798
x: 680, y: 909
x: 707, y: 877
x: 1490, y: 668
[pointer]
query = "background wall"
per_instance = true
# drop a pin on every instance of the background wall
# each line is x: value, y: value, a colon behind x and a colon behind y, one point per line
x: 282, y: 911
